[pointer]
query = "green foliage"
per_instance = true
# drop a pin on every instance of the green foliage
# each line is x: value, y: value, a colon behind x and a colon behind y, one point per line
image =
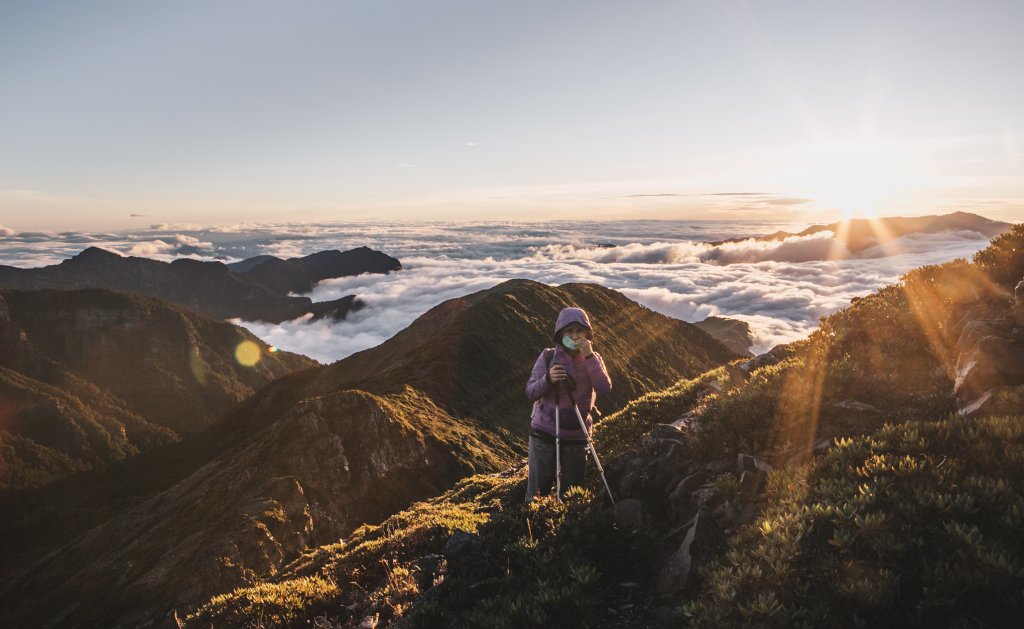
x: 368, y: 573
x: 270, y: 604
x: 541, y: 564
x: 622, y: 430
x: 918, y: 523
x: 1003, y: 259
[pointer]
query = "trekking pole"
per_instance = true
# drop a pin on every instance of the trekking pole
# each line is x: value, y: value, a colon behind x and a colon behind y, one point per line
x: 558, y: 444
x: 593, y: 451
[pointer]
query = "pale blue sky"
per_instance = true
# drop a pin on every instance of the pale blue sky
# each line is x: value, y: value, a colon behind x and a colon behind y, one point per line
x: 216, y: 112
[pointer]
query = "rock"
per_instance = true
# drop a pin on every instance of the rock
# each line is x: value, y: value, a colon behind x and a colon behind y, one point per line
x: 747, y: 463
x: 458, y: 542
x: 680, y: 501
x: 675, y: 574
x: 1018, y: 303
x: 759, y: 361
x: 630, y: 485
x: 737, y: 376
x: 732, y: 333
x: 667, y: 432
x: 704, y: 496
x: 666, y: 470
x: 823, y: 444
x: 991, y: 361
x: 751, y: 482
x: 629, y: 512
x: 1006, y: 400
x: 719, y: 467
x: 669, y: 616
x: 684, y: 422
x: 973, y: 407
x: 427, y: 569
x: 854, y: 405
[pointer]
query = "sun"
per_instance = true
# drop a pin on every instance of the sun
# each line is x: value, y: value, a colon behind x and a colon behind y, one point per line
x: 857, y: 176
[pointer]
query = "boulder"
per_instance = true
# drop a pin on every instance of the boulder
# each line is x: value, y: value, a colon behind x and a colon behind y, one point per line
x: 427, y: 569
x: 751, y: 482
x: 719, y: 466
x: 993, y: 360
x: 773, y: 356
x: 669, y: 616
x: 684, y: 422
x: 680, y: 501
x: 667, y: 470
x: 667, y: 432
x: 630, y: 485
x: 748, y: 463
x: 629, y: 513
x: 854, y: 405
x: 458, y: 542
x: 1006, y: 400
x: 675, y: 574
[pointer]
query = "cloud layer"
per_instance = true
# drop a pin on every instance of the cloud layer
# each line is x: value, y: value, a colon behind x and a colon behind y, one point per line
x: 780, y: 288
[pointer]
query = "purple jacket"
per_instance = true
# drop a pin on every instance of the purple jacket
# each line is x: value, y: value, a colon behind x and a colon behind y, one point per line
x: 591, y: 380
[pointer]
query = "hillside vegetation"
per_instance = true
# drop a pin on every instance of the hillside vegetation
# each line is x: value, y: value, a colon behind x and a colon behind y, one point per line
x: 316, y: 454
x: 883, y: 505
x: 92, y: 377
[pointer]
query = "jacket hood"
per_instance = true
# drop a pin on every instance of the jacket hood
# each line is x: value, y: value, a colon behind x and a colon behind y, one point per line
x: 572, y: 315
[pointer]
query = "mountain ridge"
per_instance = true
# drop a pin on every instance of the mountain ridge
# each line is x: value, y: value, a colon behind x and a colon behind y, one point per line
x: 210, y: 287
x: 442, y: 438
x: 861, y: 233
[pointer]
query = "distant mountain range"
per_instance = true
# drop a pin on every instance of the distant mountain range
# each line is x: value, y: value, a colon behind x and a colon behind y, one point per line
x: 317, y: 453
x: 258, y: 289
x: 861, y: 233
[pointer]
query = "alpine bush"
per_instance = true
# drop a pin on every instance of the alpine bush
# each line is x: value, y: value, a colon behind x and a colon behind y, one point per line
x: 918, y: 524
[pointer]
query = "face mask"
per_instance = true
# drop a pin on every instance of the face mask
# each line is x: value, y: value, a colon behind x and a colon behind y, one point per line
x: 569, y: 343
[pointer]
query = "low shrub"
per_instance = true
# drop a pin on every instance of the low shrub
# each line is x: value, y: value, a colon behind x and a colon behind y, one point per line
x: 919, y: 524
x: 542, y: 564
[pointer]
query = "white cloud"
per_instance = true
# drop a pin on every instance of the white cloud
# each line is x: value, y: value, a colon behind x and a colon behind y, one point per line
x: 4, y: 231
x: 780, y: 288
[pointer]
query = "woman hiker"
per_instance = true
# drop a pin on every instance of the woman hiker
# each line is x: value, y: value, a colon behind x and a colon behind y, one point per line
x: 571, y: 362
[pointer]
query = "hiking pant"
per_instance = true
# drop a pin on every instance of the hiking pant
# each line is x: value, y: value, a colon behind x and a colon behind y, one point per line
x: 542, y: 467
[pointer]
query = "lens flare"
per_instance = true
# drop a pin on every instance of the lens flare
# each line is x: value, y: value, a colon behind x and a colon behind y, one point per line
x: 247, y: 353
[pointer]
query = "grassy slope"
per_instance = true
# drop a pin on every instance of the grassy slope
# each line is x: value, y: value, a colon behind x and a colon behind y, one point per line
x: 914, y: 515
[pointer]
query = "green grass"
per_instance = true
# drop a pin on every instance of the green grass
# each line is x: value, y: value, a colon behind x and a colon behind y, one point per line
x: 365, y: 574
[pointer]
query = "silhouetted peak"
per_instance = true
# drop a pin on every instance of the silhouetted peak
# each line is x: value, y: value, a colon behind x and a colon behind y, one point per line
x: 91, y: 254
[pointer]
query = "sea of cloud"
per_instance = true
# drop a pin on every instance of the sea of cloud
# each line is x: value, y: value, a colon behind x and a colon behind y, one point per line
x: 781, y: 288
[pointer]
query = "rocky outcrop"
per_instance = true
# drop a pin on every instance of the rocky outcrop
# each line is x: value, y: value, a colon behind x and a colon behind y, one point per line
x: 732, y: 333
x: 990, y: 365
x: 211, y: 288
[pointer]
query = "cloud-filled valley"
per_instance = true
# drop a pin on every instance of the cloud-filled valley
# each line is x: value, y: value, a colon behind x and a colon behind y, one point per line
x: 781, y: 288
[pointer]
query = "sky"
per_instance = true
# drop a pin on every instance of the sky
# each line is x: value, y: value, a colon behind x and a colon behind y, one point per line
x: 120, y: 115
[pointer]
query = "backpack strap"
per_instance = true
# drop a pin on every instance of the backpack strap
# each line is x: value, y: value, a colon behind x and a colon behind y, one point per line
x: 549, y: 355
